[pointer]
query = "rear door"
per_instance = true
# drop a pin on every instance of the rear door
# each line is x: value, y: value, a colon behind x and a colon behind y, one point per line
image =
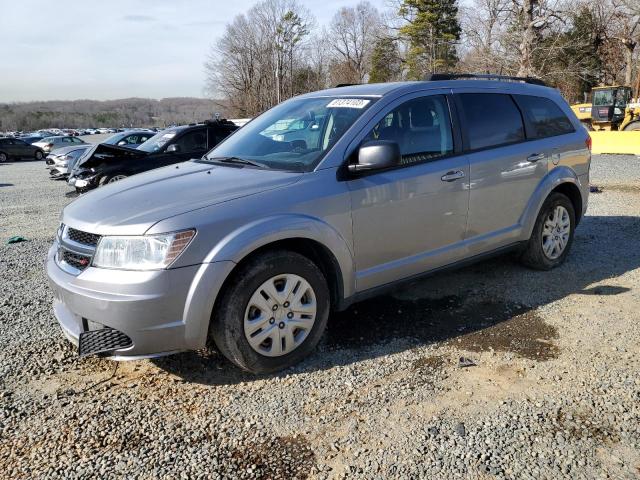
x: 505, y: 168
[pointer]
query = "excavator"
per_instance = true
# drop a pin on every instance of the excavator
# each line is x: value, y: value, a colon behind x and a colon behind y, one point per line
x: 613, y: 120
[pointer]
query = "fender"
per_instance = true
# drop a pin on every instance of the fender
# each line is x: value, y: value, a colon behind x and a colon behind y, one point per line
x: 551, y: 180
x: 243, y: 241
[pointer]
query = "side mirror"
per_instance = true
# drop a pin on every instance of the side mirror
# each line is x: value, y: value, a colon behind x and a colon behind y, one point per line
x: 121, y: 143
x: 376, y: 155
x: 173, y: 148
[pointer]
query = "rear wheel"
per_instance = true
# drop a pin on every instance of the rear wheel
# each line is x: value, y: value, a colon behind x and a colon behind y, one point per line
x: 3, y: 157
x: 39, y: 154
x: 632, y: 126
x: 273, y: 312
x: 552, y: 234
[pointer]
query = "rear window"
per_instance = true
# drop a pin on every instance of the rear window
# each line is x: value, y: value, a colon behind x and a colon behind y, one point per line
x: 492, y: 120
x: 545, y: 116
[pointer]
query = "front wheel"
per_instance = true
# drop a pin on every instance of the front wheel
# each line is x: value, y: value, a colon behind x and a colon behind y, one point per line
x: 39, y: 154
x: 552, y: 234
x: 273, y: 312
x: 633, y: 126
x: 110, y: 179
x: 3, y: 157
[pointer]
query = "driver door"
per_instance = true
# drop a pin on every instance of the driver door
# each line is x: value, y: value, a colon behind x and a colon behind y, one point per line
x: 412, y: 218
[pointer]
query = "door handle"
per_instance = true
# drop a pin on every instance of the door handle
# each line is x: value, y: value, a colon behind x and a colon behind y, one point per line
x: 535, y: 157
x: 452, y: 175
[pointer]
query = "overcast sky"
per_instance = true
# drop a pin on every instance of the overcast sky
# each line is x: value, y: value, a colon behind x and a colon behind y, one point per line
x: 72, y: 49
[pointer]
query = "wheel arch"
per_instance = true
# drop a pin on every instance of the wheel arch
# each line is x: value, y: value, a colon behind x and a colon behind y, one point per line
x: 561, y: 180
x: 308, y: 236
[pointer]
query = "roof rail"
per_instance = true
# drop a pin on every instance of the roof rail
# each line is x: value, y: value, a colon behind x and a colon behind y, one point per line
x: 340, y: 85
x: 477, y: 76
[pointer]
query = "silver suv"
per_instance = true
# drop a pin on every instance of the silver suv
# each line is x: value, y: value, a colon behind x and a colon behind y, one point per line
x: 315, y: 204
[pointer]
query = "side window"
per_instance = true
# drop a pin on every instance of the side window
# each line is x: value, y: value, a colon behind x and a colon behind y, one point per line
x: 492, y: 119
x: 67, y: 139
x: 193, y: 141
x: 546, y: 117
x: 421, y: 127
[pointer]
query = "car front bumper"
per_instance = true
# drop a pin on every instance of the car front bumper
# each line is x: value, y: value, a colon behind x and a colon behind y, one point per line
x: 161, y: 311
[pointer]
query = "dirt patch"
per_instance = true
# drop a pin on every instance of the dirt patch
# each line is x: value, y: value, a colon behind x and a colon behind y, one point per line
x: 526, y: 335
x: 622, y: 187
x: 280, y: 458
x: 434, y: 362
x: 466, y: 324
x: 579, y: 425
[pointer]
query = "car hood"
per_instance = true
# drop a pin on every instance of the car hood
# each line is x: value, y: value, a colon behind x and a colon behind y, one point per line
x: 133, y: 205
x: 102, y: 153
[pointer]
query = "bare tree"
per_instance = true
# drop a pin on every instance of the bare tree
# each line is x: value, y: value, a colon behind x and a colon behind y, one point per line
x: 353, y: 32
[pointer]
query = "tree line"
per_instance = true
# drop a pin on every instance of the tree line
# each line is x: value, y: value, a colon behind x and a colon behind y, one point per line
x: 277, y: 50
x: 130, y: 112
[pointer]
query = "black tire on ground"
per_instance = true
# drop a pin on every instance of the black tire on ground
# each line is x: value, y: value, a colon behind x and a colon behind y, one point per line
x: 39, y: 155
x: 533, y: 255
x: 109, y: 179
x: 4, y: 157
x: 227, y: 320
x: 632, y: 126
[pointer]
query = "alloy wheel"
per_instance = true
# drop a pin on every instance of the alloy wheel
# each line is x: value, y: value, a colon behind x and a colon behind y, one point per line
x: 280, y: 315
x: 555, y: 232
x: 116, y: 178
x: 3, y: 157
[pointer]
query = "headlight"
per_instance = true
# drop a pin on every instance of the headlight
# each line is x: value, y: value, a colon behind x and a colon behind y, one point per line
x: 148, y: 252
x: 60, y: 231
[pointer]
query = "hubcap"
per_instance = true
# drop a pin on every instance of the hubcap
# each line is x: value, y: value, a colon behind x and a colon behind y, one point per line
x: 273, y: 329
x: 555, y: 232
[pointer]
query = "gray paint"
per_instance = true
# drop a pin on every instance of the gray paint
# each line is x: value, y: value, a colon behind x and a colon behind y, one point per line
x: 380, y: 228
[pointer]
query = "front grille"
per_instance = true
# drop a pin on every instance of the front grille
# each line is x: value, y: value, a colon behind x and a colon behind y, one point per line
x: 83, y: 237
x: 103, y: 340
x: 76, y: 260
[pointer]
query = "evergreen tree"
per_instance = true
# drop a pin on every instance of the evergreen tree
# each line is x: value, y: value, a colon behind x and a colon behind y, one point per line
x: 385, y: 61
x: 432, y: 29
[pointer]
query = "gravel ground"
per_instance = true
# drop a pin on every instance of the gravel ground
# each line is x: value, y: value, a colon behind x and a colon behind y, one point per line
x: 553, y: 392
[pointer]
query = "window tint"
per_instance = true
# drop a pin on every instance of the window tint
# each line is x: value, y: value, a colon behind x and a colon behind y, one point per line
x: 492, y: 119
x: 193, y: 141
x: 547, y: 118
x: 421, y: 127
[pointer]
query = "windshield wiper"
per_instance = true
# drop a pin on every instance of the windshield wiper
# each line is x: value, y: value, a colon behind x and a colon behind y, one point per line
x: 238, y: 161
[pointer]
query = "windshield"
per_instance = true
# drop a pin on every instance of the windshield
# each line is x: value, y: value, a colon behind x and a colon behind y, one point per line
x: 294, y: 135
x: 158, y: 141
x: 113, y: 139
x: 603, y: 97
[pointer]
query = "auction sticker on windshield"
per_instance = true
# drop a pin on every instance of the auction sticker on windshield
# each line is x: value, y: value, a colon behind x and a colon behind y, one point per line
x: 348, y: 103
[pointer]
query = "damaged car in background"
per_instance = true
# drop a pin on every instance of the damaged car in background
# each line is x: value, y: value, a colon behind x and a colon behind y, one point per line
x: 61, y: 161
x: 103, y: 164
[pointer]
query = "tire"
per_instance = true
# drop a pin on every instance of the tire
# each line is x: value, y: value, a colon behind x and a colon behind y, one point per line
x: 633, y: 126
x: 4, y: 157
x: 110, y: 179
x: 554, y: 209
x: 236, y: 309
x: 39, y: 155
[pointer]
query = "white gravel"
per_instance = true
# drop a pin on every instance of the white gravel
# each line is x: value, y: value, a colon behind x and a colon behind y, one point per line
x: 555, y: 392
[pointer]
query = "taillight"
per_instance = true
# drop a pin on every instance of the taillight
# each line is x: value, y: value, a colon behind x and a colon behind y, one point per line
x: 587, y: 142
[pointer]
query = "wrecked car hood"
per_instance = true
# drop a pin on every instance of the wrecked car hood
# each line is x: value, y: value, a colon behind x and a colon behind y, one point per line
x: 103, y: 153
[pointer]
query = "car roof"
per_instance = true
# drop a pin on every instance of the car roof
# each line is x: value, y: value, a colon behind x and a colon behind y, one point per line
x: 382, y: 89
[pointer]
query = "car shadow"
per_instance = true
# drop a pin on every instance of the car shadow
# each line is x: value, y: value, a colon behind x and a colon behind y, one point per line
x: 488, y: 306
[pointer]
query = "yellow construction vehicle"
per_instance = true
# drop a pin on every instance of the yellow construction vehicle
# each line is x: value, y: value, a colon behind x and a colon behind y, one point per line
x: 613, y: 120
x: 610, y: 109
